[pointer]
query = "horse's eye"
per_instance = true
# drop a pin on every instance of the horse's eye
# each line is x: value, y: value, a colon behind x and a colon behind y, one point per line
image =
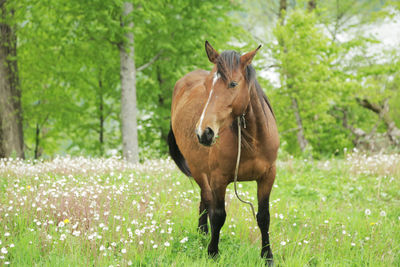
x: 232, y: 84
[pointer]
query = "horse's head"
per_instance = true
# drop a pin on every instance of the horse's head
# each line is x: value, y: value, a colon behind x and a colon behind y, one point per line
x: 228, y: 88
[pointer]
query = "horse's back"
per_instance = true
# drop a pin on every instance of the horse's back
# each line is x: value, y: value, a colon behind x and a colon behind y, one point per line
x: 189, y: 82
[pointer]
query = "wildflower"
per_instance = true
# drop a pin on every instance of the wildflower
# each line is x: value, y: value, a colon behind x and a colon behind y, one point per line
x: 12, y: 245
x: 367, y: 212
x: 373, y: 223
x: 155, y: 246
x: 102, y: 248
x: 4, y: 250
x: 140, y: 242
x: 7, y: 234
x: 353, y: 244
x: 167, y: 244
x: 66, y: 221
x: 184, y: 240
x: 61, y: 224
x: 382, y: 213
x: 123, y: 251
x: 62, y: 237
x: 129, y: 263
x: 283, y: 243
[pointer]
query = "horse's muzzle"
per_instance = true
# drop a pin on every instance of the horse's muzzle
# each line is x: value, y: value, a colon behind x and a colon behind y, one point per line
x: 207, y: 137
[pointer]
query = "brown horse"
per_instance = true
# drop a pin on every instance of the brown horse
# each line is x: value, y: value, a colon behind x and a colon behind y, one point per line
x: 203, y: 140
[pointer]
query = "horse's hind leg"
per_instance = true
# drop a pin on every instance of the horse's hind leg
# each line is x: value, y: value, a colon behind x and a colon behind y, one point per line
x: 264, y: 186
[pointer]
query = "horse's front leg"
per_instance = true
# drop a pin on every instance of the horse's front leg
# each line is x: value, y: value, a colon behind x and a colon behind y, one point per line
x: 264, y: 186
x: 203, y: 213
x: 217, y: 215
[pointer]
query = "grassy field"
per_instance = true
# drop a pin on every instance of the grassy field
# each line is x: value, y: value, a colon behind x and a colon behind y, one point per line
x: 103, y: 212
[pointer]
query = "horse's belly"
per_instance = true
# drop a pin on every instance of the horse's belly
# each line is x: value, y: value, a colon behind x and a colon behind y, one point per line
x: 253, y: 169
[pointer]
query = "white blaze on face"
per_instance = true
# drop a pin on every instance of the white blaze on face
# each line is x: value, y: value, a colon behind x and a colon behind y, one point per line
x: 215, y: 79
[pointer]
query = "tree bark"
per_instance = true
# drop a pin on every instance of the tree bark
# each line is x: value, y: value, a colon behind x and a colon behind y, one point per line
x: 311, y: 5
x: 282, y: 9
x: 130, y: 145
x: 101, y: 116
x: 301, y: 138
x: 11, y: 133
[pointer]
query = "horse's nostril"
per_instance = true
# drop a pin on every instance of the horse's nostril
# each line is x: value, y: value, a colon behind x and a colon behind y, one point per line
x: 209, y: 133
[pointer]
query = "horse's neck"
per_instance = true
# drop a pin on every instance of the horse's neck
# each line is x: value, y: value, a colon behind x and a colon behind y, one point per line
x: 256, y: 119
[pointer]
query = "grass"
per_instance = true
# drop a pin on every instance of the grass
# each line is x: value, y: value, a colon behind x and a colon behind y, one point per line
x: 97, y: 212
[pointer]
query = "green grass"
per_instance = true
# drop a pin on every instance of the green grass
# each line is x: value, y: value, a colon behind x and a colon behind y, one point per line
x: 323, y: 213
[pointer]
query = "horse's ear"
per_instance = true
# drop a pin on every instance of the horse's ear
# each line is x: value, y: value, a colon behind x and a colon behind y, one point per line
x: 211, y: 53
x: 246, y: 59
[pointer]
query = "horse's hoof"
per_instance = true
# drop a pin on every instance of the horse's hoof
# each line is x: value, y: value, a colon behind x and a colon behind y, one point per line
x: 213, y: 253
x: 269, y: 263
x: 203, y: 230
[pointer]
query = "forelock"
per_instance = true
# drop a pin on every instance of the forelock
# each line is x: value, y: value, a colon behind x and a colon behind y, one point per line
x: 227, y: 63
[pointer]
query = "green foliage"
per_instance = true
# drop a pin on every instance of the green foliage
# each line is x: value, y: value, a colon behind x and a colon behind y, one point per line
x: 306, y: 57
x: 68, y: 57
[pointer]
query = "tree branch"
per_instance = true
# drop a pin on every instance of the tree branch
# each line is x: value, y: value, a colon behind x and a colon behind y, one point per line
x: 368, y: 105
x: 146, y: 65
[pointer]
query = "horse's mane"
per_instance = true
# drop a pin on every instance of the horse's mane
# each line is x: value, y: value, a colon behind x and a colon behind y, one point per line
x: 229, y: 61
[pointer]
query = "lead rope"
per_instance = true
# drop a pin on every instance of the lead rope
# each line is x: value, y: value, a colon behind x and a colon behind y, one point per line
x: 238, y: 160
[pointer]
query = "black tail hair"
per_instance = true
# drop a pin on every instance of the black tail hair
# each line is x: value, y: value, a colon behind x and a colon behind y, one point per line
x: 176, y: 154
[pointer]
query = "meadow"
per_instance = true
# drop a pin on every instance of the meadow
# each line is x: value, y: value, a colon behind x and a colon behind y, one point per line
x: 106, y: 212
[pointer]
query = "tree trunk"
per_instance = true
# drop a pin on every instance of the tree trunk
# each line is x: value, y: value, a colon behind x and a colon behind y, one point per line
x: 282, y: 9
x: 101, y: 116
x: 130, y: 145
x: 311, y: 5
x: 37, y: 142
x: 11, y: 133
x: 301, y: 138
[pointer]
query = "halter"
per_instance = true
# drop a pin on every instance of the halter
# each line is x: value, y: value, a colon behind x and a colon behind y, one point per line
x: 241, y: 120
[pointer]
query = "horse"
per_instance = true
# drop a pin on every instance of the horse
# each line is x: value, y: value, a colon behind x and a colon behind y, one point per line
x: 203, y: 138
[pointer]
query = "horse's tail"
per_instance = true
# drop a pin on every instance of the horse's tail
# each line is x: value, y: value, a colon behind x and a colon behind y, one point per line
x: 176, y: 154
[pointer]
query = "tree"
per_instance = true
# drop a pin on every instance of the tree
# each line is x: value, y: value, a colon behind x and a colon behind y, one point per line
x: 130, y: 144
x: 11, y: 133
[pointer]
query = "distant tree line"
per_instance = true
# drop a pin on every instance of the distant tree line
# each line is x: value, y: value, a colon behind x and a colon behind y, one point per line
x: 96, y: 77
